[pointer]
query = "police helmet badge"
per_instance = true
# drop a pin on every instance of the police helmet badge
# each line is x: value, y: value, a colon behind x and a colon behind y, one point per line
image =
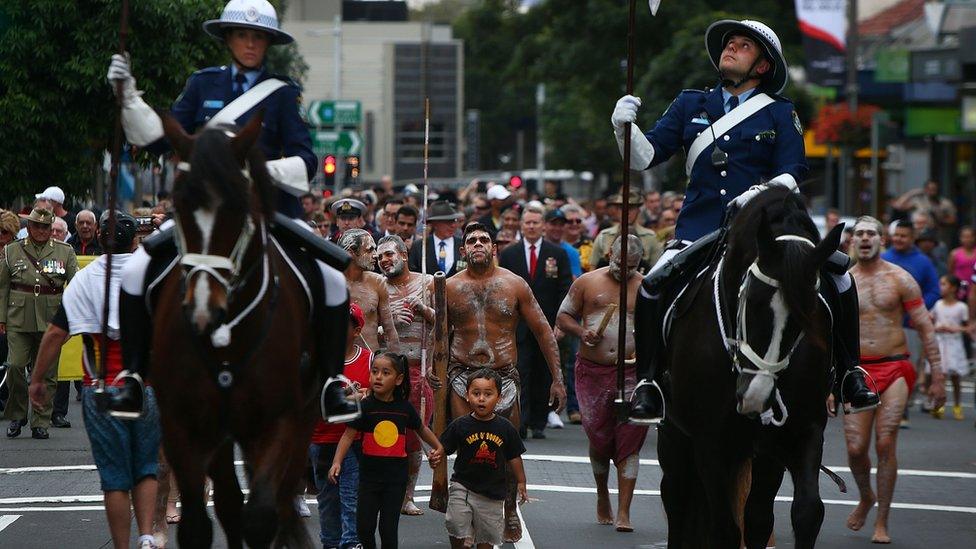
x: 796, y: 123
x: 251, y: 14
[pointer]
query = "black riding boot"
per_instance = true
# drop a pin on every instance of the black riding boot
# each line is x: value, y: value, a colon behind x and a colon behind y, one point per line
x: 136, y: 333
x: 854, y: 390
x: 335, y: 404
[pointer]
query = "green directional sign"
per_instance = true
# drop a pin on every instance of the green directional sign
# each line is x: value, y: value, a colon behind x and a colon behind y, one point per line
x: 335, y: 113
x: 341, y: 142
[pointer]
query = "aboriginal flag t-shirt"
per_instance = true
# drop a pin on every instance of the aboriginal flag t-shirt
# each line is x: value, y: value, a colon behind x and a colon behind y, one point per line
x: 384, y: 427
x: 483, y: 448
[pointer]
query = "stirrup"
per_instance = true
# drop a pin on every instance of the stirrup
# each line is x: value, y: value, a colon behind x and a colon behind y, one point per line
x: 125, y: 414
x: 867, y: 376
x: 652, y: 421
x: 354, y: 402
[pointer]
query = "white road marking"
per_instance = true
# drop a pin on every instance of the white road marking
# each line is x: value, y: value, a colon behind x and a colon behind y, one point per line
x: 526, y: 541
x: 7, y: 520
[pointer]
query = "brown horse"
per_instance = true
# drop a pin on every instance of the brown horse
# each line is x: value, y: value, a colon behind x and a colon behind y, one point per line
x: 232, y: 348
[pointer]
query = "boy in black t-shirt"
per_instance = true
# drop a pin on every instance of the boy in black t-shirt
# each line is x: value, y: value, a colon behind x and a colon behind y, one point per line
x: 485, y: 444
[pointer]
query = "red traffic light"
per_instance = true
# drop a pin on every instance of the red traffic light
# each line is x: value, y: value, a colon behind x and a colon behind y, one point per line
x: 329, y: 165
x: 515, y: 182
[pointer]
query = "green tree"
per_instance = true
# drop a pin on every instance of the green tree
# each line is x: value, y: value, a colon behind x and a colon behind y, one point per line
x: 58, y: 109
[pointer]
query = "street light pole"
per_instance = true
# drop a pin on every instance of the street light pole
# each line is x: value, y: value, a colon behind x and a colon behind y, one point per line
x: 848, y: 171
x: 337, y: 58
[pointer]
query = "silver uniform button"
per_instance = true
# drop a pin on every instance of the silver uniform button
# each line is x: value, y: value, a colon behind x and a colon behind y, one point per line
x: 723, y: 173
x: 722, y: 192
x: 726, y: 138
x: 757, y: 138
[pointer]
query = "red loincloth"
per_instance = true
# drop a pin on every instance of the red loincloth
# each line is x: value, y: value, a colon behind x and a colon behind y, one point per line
x: 419, y: 386
x: 885, y: 371
x: 596, y: 389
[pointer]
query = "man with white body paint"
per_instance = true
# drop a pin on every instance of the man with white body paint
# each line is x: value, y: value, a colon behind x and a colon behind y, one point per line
x: 592, y: 297
x: 484, y: 305
x: 410, y: 311
x: 886, y: 293
x: 368, y: 289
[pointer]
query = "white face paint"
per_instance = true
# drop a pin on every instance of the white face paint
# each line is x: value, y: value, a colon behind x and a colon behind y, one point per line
x: 389, y: 260
x: 866, y: 241
x: 367, y: 253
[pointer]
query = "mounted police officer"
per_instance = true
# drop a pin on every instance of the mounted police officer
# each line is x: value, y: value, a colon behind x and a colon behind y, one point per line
x: 740, y: 137
x: 33, y: 275
x: 231, y: 94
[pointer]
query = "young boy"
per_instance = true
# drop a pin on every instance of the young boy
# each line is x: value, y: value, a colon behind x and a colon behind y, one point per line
x: 337, y: 502
x: 486, y: 444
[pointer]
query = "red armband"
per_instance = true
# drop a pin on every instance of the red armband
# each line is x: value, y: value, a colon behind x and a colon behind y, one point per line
x: 912, y: 303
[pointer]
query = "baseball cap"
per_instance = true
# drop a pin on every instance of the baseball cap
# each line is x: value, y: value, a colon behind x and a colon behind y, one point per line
x: 356, y: 315
x: 498, y: 192
x: 52, y: 193
x: 555, y: 214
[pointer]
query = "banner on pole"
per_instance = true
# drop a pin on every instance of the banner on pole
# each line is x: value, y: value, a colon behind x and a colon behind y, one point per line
x: 823, y: 24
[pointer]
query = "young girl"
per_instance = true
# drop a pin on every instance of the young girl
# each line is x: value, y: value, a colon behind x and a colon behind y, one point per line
x: 949, y: 316
x: 386, y: 416
x: 962, y: 260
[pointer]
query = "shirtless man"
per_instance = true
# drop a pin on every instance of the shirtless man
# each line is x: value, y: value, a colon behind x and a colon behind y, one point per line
x: 581, y: 314
x: 409, y: 310
x: 886, y: 292
x: 368, y: 289
x: 484, y: 305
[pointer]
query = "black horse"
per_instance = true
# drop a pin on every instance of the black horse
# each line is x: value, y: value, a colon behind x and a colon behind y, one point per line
x: 751, y: 313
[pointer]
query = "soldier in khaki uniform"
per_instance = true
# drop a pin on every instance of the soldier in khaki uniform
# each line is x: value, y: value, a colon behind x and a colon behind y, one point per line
x: 648, y: 238
x: 32, y: 278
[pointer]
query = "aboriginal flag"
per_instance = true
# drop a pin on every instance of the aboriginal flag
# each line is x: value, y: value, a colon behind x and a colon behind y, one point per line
x: 385, y: 440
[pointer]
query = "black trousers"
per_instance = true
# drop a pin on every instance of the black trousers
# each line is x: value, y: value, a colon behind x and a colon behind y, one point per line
x: 536, y: 380
x: 377, y: 497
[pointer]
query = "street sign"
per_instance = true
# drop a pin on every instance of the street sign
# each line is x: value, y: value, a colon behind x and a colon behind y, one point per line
x: 335, y: 113
x: 341, y: 142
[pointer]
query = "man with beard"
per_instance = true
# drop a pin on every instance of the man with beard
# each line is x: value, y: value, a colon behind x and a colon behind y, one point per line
x: 592, y: 298
x: 410, y: 312
x: 485, y: 304
x: 368, y: 289
x: 886, y: 292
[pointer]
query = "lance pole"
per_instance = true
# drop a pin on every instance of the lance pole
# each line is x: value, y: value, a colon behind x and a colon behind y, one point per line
x: 423, y: 260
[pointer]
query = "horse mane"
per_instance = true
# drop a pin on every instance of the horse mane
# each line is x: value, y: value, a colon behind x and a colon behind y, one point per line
x: 785, y: 213
x: 216, y: 173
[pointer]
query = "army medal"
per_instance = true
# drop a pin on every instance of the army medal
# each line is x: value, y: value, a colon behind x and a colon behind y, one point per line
x: 552, y: 269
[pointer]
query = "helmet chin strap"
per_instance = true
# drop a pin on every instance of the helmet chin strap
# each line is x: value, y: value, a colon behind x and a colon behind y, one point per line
x: 736, y: 84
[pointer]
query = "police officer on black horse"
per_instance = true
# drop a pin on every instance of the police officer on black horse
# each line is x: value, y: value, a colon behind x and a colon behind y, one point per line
x: 740, y: 137
x: 231, y: 94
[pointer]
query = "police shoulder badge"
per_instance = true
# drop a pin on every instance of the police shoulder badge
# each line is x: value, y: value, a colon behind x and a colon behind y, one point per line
x: 796, y: 124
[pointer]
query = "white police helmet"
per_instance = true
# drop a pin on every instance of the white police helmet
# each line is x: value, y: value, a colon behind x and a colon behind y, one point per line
x: 249, y: 14
x: 719, y: 32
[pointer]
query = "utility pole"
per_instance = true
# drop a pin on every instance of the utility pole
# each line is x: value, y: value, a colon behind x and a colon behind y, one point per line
x: 540, y: 145
x: 337, y: 58
x: 848, y: 172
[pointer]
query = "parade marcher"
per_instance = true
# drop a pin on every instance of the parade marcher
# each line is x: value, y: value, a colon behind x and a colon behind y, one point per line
x: 949, y: 317
x: 648, y: 238
x: 740, y: 137
x: 410, y: 314
x: 59, y: 414
x: 222, y: 96
x: 485, y: 305
x: 125, y: 452
x: 592, y: 298
x: 886, y: 293
x: 84, y: 240
x: 443, y: 249
x: 32, y: 280
x: 368, y: 289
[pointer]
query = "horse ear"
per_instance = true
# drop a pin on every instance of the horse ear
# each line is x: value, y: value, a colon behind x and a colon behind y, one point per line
x: 181, y: 142
x: 247, y: 137
x: 827, y: 246
x: 765, y: 241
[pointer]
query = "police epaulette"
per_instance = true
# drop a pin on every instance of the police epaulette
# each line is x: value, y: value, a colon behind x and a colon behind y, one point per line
x: 209, y: 70
x: 693, y: 90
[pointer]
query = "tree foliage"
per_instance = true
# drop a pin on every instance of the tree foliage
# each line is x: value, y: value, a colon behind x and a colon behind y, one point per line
x: 58, y: 109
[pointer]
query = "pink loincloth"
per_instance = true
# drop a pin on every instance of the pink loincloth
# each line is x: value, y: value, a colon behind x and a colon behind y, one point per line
x: 419, y: 386
x: 596, y: 389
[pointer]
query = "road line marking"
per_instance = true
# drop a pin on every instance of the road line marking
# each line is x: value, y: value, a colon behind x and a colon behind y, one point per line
x: 526, y: 541
x: 7, y: 520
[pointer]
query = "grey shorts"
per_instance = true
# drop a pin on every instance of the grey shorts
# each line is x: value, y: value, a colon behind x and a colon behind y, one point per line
x: 474, y: 518
x: 457, y: 376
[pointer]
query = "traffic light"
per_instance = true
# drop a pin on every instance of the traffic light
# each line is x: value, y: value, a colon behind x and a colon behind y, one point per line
x: 329, y: 169
x: 515, y: 182
x: 352, y: 167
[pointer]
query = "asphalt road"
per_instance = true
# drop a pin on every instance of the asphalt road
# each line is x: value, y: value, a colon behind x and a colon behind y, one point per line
x: 49, y: 493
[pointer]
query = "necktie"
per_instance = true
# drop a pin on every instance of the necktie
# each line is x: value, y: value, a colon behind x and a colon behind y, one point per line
x: 442, y: 256
x: 533, y: 261
x: 239, y: 81
x: 733, y: 102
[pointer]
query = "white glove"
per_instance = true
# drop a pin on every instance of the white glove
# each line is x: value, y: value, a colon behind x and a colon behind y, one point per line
x: 625, y: 111
x: 141, y: 124
x: 289, y: 174
x: 641, y: 150
x: 748, y: 195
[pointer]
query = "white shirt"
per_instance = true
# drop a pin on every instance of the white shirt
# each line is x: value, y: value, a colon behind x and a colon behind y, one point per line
x: 528, y: 253
x: 448, y: 249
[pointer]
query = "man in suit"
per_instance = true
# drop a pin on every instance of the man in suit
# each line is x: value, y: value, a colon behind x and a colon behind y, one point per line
x: 545, y: 267
x: 443, y: 249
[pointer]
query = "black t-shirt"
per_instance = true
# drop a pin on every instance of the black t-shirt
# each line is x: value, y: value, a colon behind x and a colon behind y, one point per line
x: 384, y: 427
x: 484, y: 449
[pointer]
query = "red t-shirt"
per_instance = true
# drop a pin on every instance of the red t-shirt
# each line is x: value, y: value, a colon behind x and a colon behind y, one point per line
x: 357, y: 370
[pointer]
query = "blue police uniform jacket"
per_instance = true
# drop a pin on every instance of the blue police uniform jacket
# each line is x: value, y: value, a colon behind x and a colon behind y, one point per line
x: 283, y: 133
x: 767, y: 144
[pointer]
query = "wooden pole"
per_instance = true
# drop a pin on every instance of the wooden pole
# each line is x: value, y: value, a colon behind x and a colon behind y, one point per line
x: 438, y: 490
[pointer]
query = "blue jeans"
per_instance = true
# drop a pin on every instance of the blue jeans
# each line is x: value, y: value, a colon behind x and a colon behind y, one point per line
x: 337, y: 503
